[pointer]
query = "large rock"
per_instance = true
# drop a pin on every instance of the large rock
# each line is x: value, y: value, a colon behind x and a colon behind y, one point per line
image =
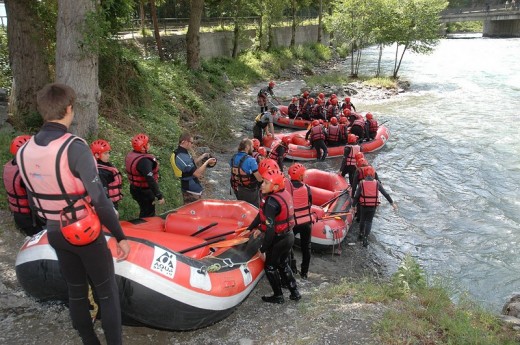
x: 512, y: 307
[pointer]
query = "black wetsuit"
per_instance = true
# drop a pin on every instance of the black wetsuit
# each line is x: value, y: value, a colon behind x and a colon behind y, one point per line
x: 145, y: 197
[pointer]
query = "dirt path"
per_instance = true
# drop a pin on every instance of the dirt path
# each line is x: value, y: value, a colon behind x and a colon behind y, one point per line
x: 313, y: 320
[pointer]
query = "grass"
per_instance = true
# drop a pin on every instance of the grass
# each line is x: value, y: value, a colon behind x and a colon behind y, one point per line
x: 465, y: 27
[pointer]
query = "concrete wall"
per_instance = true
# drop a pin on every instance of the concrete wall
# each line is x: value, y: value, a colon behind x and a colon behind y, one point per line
x: 501, y: 28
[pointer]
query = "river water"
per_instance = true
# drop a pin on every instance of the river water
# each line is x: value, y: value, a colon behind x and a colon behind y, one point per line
x: 453, y: 165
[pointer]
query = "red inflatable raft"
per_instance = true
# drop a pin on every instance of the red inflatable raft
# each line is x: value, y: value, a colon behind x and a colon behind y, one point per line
x: 300, y: 149
x: 281, y: 119
x: 181, y: 273
x: 331, y: 208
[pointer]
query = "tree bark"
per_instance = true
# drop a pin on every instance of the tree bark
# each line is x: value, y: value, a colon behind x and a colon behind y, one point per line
x: 236, y: 28
x: 157, y: 34
x: 192, y: 37
x: 141, y: 16
x: 77, y: 64
x: 293, y: 27
x: 320, y: 20
x: 27, y: 54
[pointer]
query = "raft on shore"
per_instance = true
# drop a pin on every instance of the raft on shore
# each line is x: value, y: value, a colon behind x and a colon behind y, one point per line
x: 161, y: 284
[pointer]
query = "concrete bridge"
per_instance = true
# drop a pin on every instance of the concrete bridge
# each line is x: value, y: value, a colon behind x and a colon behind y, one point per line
x: 499, y: 20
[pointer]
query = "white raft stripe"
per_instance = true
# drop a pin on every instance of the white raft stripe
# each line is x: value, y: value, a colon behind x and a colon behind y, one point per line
x: 152, y: 281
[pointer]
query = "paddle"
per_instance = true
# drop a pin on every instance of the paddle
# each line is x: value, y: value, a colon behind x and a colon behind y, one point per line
x: 338, y: 215
x: 335, y: 198
x: 382, y: 123
x: 204, y: 228
x: 226, y: 233
x: 218, y: 242
x: 230, y: 243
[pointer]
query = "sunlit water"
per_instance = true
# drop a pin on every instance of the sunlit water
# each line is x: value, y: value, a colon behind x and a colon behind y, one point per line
x: 453, y: 165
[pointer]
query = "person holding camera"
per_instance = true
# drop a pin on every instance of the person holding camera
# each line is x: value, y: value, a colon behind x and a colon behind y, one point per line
x: 188, y: 169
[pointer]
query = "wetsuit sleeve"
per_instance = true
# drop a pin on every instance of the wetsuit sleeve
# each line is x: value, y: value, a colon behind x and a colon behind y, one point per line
x: 384, y: 192
x: 82, y: 165
x: 255, y: 223
x: 346, y: 153
x: 145, y: 167
x: 307, y: 134
x: 356, y: 197
x: 271, y: 209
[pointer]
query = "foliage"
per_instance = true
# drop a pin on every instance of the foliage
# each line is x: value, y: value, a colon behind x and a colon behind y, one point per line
x: 5, y: 68
x: 465, y: 27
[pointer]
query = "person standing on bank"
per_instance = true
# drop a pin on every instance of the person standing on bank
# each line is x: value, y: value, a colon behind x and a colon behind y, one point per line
x: 142, y: 169
x: 110, y: 177
x: 188, y: 169
x: 276, y: 220
x: 263, y: 94
x: 367, y: 196
x: 245, y: 178
x: 24, y: 218
x: 302, y: 202
x: 317, y: 135
x: 263, y: 121
x: 65, y: 197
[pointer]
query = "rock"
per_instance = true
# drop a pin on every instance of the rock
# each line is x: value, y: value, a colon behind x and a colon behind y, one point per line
x: 512, y: 307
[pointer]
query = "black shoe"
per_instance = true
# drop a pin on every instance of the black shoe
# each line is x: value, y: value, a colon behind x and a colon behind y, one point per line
x: 274, y: 299
x: 365, y: 242
x: 360, y: 237
x: 303, y: 275
x: 295, y: 295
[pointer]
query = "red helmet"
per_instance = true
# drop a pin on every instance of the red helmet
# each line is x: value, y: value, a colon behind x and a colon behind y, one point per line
x: 295, y: 99
x: 271, y: 84
x: 369, y: 116
x: 343, y: 119
x: 296, y: 171
x: 359, y: 156
x: 334, y: 101
x: 139, y: 142
x: 100, y: 146
x: 305, y: 93
x: 267, y: 165
x: 362, y: 162
x: 275, y: 177
x: 315, y: 123
x: 256, y: 143
x: 321, y: 95
x: 320, y: 101
x: 83, y: 231
x: 347, y: 99
x: 333, y: 96
x: 18, y: 142
x: 311, y: 100
x: 333, y: 121
x: 346, y: 112
x: 262, y: 151
x: 370, y: 171
x: 286, y: 139
x: 352, y: 138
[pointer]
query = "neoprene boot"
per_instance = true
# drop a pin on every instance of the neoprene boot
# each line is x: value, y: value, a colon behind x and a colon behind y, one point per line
x: 295, y: 294
x: 293, y: 262
x: 274, y: 280
x: 365, y: 241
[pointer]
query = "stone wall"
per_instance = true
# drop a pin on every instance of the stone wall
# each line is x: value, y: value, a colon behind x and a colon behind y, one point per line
x: 501, y: 28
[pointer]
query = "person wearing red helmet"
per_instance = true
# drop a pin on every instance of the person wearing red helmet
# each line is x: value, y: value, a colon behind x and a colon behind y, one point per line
x: 142, y: 169
x: 348, y: 163
x: 263, y: 94
x: 302, y: 202
x: 110, y: 177
x: 279, y: 151
x: 63, y: 197
x: 188, y: 169
x: 360, y: 173
x: 264, y: 122
x: 333, y: 133
x: 306, y: 111
x: 292, y: 109
x: 245, y: 179
x: 347, y: 104
x: 332, y: 109
x: 367, y: 197
x: 276, y: 219
x: 317, y: 136
x: 371, y: 126
x: 17, y: 193
x: 357, y: 126
x: 318, y: 111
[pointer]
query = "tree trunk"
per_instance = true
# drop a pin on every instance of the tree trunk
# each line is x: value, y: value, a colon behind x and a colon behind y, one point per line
x: 141, y: 16
x: 192, y: 37
x: 331, y: 34
x: 236, y: 29
x: 378, y: 71
x: 397, y: 66
x: 293, y: 28
x: 27, y: 54
x: 320, y: 21
x: 156, y: 32
x: 77, y: 64
x: 261, y: 33
x: 269, y: 37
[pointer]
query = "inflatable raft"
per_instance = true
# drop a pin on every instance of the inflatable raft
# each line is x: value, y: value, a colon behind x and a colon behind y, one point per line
x: 180, y: 274
x: 300, y: 149
x: 331, y: 208
x: 282, y: 119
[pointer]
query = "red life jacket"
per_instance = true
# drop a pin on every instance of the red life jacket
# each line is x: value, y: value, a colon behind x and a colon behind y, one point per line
x: 16, y: 194
x: 351, y: 158
x: 373, y: 127
x: 284, y: 221
x: 331, y: 111
x: 301, y: 203
x: 369, y: 193
x: 359, y: 122
x: 334, y: 134
x: 239, y: 177
x: 135, y: 178
x: 317, y: 133
x: 343, y: 131
x: 114, y: 188
x: 317, y: 111
x: 46, y: 173
x: 361, y: 173
x: 274, y: 152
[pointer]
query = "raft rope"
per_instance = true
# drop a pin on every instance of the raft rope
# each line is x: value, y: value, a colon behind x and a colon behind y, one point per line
x: 226, y: 262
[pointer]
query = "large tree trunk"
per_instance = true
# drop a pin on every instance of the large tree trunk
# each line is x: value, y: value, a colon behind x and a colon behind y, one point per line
x: 192, y: 37
x: 293, y: 27
x: 320, y: 21
x: 236, y: 28
x: 157, y: 35
x: 26, y: 56
x: 141, y: 16
x: 77, y: 64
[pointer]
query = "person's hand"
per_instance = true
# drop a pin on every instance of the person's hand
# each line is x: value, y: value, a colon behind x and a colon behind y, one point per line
x: 394, y: 205
x: 256, y: 233
x: 211, y: 161
x: 123, y: 249
x: 161, y: 201
x: 205, y: 155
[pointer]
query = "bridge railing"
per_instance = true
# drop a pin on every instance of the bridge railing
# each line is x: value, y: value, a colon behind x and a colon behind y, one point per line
x: 480, y: 9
